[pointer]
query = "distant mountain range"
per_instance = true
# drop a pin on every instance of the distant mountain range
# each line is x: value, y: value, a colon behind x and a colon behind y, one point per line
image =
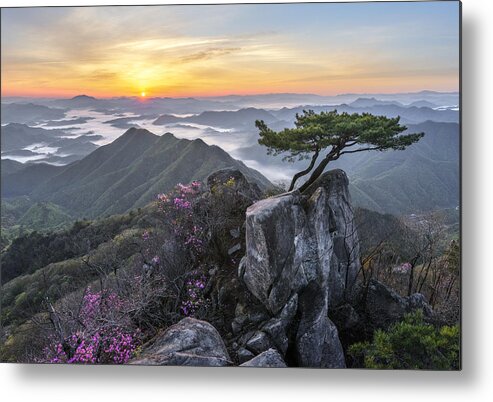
x: 29, y: 113
x: 139, y: 164
x: 15, y: 137
x: 196, y: 105
x: 129, y: 172
x: 224, y: 119
x: 126, y: 174
x: 293, y: 99
x: 285, y: 117
x: 408, y: 114
x: 370, y: 102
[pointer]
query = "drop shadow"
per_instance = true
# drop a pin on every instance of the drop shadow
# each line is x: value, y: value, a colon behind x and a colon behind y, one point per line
x: 33, y: 375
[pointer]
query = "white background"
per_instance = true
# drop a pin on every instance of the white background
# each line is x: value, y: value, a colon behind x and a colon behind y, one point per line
x: 474, y: 383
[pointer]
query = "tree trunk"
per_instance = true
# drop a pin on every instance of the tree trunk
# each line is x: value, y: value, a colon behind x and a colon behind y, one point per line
x: 411, y: 275
x: 332, y: 155
x: 304, y: 172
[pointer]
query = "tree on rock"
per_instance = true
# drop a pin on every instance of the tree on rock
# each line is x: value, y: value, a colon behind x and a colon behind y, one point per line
x: 338, y: 133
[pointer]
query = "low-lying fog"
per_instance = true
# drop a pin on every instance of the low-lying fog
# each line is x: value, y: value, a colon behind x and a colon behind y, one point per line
x: 96, y: 126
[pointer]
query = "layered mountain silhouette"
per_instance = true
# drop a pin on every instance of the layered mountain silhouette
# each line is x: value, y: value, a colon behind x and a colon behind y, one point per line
x: 29, y: 113
x: 15, y: 137
x: 224, y: 119
x: 408, y: 114
x: 126, y: 174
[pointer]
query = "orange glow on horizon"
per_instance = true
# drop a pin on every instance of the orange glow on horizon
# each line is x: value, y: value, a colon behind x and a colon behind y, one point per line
x: 446, y: 84
x: 215, y: 51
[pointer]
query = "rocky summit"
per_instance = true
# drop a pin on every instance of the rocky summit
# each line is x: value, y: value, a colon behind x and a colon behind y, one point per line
x: 299, y: 270
x: 302, y: 257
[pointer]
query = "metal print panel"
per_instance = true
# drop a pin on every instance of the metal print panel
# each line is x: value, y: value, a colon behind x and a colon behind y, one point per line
x: 255, y: 185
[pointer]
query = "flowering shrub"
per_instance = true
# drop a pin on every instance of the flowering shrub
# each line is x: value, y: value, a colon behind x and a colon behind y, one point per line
x: 102, y: 336
x: 177, y: 207
x: 194, y: 298
x: 181, y: 196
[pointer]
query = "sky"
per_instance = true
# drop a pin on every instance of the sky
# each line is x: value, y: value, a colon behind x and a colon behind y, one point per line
x: 181, y: 51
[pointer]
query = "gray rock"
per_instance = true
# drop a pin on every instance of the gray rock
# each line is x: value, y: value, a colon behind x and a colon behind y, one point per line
x: 238, y: 323
x: 241, y: 185
x: 317, y: 340
x: 241, y: 268
x: 277, y: 327
x: 418, y: 301
x: 244, y: 355
x: 272, y: 270
x: 346, y: 316
x: 307, y: 246
x: 190, y: 342
x: 319, y: 346
x: 293, y: 239
x: 259, y: 342
x: 383, y: 306
x: 270, y: 358
x: 332, y: 217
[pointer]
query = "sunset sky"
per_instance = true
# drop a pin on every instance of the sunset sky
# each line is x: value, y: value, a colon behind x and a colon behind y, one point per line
x: 230, y: 49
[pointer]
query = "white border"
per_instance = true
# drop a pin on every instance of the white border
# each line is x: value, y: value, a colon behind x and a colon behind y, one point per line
x: 474, y: 383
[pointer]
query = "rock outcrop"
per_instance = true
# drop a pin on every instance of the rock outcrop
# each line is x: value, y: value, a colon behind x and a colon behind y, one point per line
x: 294, y: 297
x: 270, y: 358
x: 302, y: 257
x: 244, y: 187
x: 190, y: 342
x: 384, y: 307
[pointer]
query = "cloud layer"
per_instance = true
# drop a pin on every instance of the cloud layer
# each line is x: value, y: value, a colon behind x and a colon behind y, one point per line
x: 212, y: 50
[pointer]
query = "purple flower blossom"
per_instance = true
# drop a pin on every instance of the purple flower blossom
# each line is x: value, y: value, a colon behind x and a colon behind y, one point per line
x: 102, y: 338
x: 194, y: 298
x: 182, y: 203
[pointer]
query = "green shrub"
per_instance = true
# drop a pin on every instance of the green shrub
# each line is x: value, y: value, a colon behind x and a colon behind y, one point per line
x: 410, y: 344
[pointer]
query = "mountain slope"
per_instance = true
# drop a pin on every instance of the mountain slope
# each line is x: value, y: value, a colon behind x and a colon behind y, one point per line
x: 23, y: 181
x: 423, y: 177
x: 125, y: 174
x: 10, y: 166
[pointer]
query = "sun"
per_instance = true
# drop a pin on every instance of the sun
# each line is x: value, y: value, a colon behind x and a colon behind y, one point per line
x: 143, y: 94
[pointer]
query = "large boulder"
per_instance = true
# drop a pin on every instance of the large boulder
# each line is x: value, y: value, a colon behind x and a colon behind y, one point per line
x: 292, y: 240
x: 302, y: 245
x: 190, y: 342
x: 270, y: 358
x: 333, y: 225
x: 273, y: 268
x: 383, y: 306
x: 236, y: 180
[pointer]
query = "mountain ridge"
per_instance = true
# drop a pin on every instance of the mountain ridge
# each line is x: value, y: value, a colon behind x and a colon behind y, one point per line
x: 125, y: 174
